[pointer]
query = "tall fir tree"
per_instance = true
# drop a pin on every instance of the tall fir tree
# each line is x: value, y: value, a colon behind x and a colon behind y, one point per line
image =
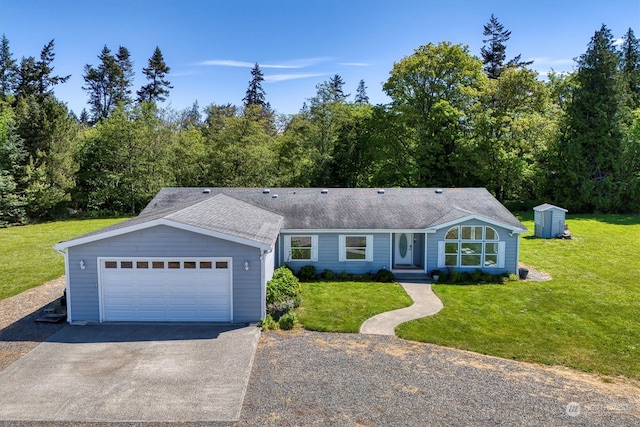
x: 109, y: 83
x: 361, y: 94
x: 8, y: 70
x: 125, y: 78
x: 335, y: 87
x: 586, y: 168
x: 36, y: 77
x: 158, y: 87
x: 494, y: 52
x: 630, y: 50
x: 255, y: 94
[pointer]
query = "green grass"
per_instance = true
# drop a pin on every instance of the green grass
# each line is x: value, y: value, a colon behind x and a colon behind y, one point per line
x: 27, y: 255
x: 344, y: 306
x: 587, y: 317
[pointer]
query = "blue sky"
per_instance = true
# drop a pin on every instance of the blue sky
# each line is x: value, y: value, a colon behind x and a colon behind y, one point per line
x: 211, y: 45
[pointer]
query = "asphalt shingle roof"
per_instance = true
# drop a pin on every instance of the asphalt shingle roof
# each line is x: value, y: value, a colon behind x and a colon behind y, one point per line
x: 354, y: 208
x: 257, y: 215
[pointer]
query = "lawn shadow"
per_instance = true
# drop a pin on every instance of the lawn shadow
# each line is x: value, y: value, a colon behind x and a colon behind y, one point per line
x: 614, y: 219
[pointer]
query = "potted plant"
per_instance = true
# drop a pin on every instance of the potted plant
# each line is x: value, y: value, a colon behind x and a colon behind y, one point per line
x: 435, y: 275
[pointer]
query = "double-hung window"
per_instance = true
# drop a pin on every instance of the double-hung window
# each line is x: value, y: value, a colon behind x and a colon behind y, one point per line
x: 356, y: 247
x: 301, y: 248
x: 471, y: 246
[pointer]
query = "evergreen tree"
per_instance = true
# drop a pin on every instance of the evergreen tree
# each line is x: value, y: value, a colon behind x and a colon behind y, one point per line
x: 109, y: 83
x: 361, y: 94
x: 35, y: 77
x: 631, y: 66
x: 46, y: 81
x: 8, y: 70
x: 585, y: 167
x: 255, y: 94
x: 125, y: 77
x: 335, y: 89
x: 494, y: 51
x: 158, y: 87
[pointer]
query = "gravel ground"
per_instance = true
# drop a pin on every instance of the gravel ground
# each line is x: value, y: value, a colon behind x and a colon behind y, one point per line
x: 19, y: 333
x: 303, y: 378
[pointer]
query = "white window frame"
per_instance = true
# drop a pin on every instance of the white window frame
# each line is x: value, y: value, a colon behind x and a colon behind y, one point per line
x: 368, y: 249
x: 483, y: 241
x: 314, y: 248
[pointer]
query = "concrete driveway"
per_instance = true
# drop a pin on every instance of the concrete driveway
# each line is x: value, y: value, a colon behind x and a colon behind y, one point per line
x: 132, y: 372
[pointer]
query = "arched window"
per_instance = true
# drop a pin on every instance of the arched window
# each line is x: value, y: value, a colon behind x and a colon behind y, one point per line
x: 471, y: 246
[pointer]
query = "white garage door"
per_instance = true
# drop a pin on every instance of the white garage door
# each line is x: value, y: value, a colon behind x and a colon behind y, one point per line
x: 165, y: 289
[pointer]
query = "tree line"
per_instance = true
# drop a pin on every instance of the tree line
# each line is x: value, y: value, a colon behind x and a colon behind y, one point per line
x: 454, y: 120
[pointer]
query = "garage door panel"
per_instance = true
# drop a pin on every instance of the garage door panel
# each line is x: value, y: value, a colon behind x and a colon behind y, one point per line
x: 166, y: 294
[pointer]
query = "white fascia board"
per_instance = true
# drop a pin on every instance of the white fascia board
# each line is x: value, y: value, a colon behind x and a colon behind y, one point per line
x: 162, y: 221
x: 516, y: 230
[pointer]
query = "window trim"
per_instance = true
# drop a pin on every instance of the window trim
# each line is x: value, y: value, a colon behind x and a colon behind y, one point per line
x: 368, y: 254
x: 459, y: 241
x: 314, y: 248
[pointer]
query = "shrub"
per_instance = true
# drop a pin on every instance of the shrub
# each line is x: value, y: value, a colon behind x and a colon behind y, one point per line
x: 279, y: 308
x: 287, y: 321
x: 344, y: 275
x: 268, y: 323
x: 284, y: 285
x: 308, y: 273
x: 384, y: 276
x: 327, y: 274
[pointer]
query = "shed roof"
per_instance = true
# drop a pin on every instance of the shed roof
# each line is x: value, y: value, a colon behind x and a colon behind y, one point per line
x: 547, y: 206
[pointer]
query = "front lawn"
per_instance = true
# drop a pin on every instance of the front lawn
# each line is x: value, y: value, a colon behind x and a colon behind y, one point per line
x: 344, y: 306
x: 587, y: 317
x: 27, y: 254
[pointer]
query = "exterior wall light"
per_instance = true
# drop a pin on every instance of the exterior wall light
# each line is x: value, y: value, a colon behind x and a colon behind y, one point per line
x: 246, y: 265
x: 82, y: 264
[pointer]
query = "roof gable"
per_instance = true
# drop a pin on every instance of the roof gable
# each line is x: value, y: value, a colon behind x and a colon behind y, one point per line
x: 220, y: 216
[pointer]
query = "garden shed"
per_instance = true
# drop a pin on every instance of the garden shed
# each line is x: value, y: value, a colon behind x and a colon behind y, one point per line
x: 549, y: 220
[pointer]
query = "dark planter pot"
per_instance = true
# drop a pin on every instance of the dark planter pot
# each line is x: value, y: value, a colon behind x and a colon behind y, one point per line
x: 522, y: 273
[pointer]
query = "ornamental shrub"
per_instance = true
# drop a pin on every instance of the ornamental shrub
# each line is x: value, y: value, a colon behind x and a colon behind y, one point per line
x: 282, y: 286
x: 308, y: 273
x: 287, y: 321
x: 384, y: 276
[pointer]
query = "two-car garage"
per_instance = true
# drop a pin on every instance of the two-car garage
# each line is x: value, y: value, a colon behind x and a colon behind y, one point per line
x: 166, y: 289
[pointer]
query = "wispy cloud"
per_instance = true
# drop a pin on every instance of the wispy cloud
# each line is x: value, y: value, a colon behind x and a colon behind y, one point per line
x: 292, y: 64
x: 354, y: 64
x: 550, y: 61
x: 283, y: 77
x: 618, y: 42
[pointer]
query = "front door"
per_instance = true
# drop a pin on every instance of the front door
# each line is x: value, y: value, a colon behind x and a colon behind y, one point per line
x: 404, y: 249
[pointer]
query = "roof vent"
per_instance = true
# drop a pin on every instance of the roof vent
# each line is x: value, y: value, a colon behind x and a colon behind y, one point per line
x: 324, y: 191
x: 438, y: 190
x: 275, y: 196
x: 206, y: 191
x: 266, y: 191
x: 381, y: 191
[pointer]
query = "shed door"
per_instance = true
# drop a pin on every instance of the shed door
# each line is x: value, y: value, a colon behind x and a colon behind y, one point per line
x: 166, y: 289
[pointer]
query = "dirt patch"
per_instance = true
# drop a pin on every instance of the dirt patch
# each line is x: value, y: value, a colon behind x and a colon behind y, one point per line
x: 535, y: 275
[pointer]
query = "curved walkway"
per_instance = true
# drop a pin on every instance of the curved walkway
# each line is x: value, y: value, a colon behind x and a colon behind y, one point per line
x: 425, y: 303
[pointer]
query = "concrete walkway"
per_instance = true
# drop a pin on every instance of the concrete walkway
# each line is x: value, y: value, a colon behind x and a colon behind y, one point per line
x: 425, y: 303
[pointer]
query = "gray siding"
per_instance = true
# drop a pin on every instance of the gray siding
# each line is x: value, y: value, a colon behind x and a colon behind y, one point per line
x: 329, y: 254
x: 549, y: 223
x: 163, y: 241
x: 510, y: 255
